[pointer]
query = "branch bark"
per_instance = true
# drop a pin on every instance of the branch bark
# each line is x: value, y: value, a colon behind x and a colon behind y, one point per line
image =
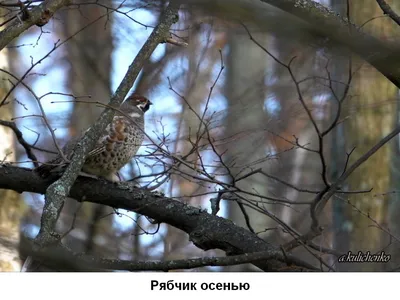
x: 37, y: 15
x: 206, y: 231
x: 61, y: 256
x: 387, y: 10
x: 318, y: 21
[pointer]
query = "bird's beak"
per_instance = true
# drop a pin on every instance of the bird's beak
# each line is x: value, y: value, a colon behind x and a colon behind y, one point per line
x: 150, y: 103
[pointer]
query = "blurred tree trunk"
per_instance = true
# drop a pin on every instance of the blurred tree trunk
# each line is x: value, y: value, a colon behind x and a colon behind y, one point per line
x: 371, y: 111
x: 11, y: 203
x: 394, y: 197
x: 340, y: 213
x: 89, y: 57
x: 246, y: 66
x: 300, y: 167
x: 203, y: 55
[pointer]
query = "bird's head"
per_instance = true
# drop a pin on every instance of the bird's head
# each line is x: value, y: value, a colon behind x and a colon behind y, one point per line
x: 134, y: 102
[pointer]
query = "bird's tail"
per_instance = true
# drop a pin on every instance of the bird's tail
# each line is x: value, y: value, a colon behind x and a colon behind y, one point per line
x: 52, y: 168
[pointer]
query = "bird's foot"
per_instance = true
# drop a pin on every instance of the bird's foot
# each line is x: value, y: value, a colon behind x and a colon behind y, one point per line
x: 158, y: 194
x: 127, y: 185
x: 84, y: 174
x: 134, y: 183
x: 107, y: 177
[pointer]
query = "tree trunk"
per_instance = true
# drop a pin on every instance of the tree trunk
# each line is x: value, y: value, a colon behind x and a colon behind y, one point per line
x: 245, y: 92
x: 371, y: 111
x: 11, y: 205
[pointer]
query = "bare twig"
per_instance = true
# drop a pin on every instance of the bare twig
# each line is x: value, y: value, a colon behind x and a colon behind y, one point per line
x: 21, y: 140
x: 43, y: 116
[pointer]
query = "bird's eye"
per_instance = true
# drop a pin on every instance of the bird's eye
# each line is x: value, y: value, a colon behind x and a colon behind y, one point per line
x: 146, y: 106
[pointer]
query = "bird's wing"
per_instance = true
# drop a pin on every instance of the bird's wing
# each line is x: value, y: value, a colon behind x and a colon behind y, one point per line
x: 115, y: 133
x: 58, y: 164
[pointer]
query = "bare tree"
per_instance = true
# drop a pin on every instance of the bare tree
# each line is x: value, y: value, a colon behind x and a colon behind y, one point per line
x: 281, y: 136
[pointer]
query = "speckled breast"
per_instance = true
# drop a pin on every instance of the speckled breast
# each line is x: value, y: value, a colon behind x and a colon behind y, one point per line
x: 118, y: 146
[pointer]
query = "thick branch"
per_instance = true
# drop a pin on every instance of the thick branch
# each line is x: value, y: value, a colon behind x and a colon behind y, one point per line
x: 387, y: 10
x: 37, y: 15
x: 60, y: 256
x: 206, y: 231
x: 317, y: 20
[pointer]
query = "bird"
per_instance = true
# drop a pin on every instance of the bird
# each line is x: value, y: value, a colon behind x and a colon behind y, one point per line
x: 117, y: 145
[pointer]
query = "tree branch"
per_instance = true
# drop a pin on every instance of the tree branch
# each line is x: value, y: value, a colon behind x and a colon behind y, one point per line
x: 37, y: 15
x: 206, y: 231
x: 21, y: 140
x: 387, y: 10
x: 318, y: 21
x: 60, y: 255
x: 320, y: 202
